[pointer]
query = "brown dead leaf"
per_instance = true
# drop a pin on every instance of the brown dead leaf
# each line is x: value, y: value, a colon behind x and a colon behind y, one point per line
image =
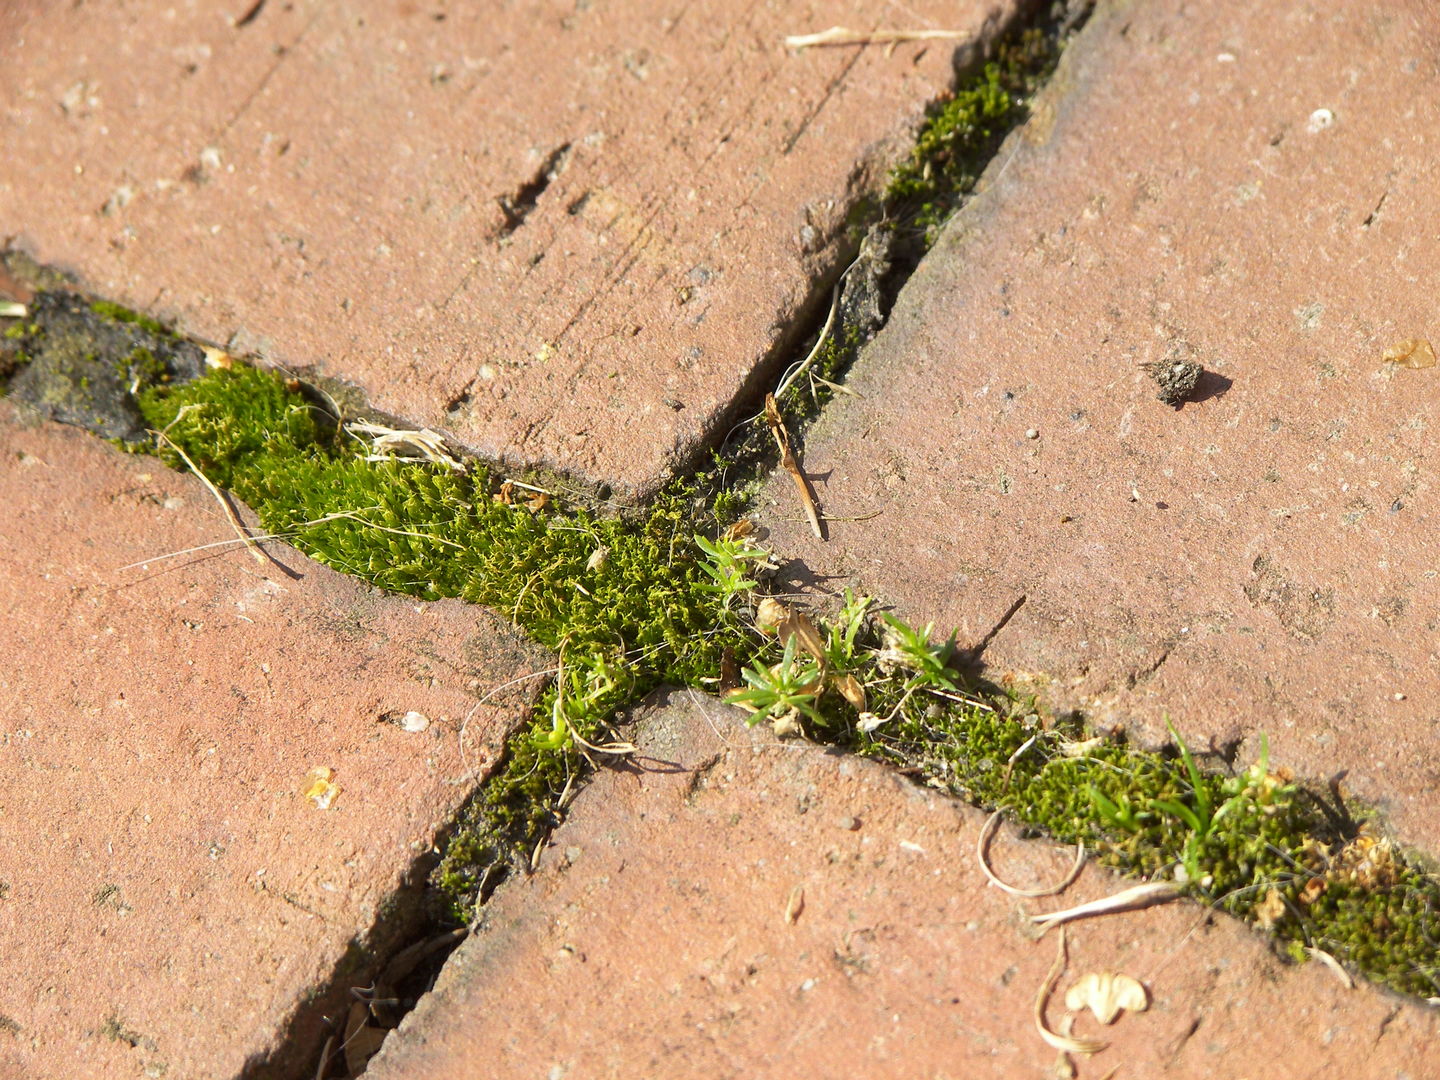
x: 1312, y: 890
x: 217, y: 358
x: 787, y: 726
x: 1107, y: 994
x: 740, y: 530
x: 362, y: 1041
x: 537, y: 501
x: 792, y: 466
x: 729, y: 671
x: 506, y: 494
x: 1411, y: 353
x: 851, y: 690
x: 798, y: 625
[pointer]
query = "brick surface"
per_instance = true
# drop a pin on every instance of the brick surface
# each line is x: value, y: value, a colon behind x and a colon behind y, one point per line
x: 168, y: 896
x: 1242, y: 184
x: 654, y: 941
x: 565, y: 233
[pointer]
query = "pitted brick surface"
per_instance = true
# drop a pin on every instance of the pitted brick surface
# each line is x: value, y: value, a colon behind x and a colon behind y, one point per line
x: 1248, y: 186
x: 564, y: 233
x: 654, y: 941
x: 168, y: 896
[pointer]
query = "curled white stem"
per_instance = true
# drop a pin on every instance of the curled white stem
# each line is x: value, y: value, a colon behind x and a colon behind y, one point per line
x: 982, y: 855
x: 1068, y: 1044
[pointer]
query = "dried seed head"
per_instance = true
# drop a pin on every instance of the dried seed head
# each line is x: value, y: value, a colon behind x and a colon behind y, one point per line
x: 1107, y: 994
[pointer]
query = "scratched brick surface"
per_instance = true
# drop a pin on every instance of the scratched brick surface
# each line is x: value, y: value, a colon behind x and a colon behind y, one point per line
x: 168, y: 896
x: 1250, y: 186
x: 654, y: 941
x: 565, y: 233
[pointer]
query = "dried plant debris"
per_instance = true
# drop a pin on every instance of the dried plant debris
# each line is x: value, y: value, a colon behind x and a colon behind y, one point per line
x: 982, y: 856
x: 1066, y: 1044
x: 1414, y: 353
x: 840, y: 35
x: 422, y: 445
x: 1132, y: 899
x: 1176, y: 377
x: 321, y: 788
x: 1107, y: 994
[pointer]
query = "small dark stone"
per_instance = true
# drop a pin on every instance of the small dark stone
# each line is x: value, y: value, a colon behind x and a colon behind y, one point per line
x: 1176, y: 378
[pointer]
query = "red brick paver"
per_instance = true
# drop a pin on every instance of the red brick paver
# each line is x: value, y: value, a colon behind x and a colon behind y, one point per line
x: 728, y: 906
x: 565, y: 233
x: 1250, y: 186
x: 168, y: 895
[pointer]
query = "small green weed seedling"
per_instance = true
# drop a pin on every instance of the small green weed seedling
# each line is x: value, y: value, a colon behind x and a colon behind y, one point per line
x: 843, y: 632
x: 586, y: 693
x: 729, y: 565
x: 1119, y: 813
x: 791, y: 686
x: 911, y: 650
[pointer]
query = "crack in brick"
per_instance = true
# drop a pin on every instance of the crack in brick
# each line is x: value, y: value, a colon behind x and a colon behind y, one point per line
x: 518, y: 205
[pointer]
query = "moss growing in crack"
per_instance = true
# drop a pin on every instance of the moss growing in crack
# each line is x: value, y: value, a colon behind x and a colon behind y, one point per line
x: 626, y: 603
x: 629, y: 603
x: 1252, y: 843
x: 117, y: 313
x: 963, y: 131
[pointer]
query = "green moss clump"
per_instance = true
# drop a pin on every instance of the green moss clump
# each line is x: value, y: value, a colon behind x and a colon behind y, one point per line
x: 624, y: 603
x: 118, y: 313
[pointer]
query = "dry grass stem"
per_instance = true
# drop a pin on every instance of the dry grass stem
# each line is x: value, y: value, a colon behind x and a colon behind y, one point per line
x: 1067, y: 1044
x: 787, y: 459
x: 202, y: 547
x: 1331, y: 963
x: 1132, y: 899
x: 982, y: 855
x: 804, y: 365
x: 229, y: 511
x: 351, y: 515
x: 839, y: 35
x: 325, y: 1054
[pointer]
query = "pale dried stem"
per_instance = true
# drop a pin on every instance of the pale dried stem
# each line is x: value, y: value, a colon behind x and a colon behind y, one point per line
x: 1333, y: 964
x: 839, y: 35
x: 804, y: 365
x: 1065, y: 1043
x: 982, y: 855
x: 1132, y: 899
x: 229, y: 511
